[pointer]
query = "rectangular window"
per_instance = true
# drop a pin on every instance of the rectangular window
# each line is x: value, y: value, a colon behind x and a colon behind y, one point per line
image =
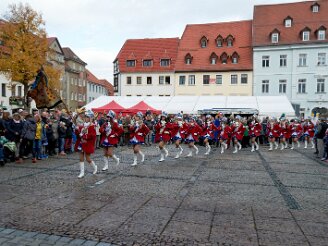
x: 149, y: 80
x: 13, y: 91
x: 321, y: 59
x: 3, y: 90
x: 218, y: 80
x: 161, y: 80
x: 320, y: 85
x: 128, y: 81
x: 165, y: 62
x: 130, y: 63
x: 302, y: 60
x: 191, y: 80
x: 182, y: 80
x: 275, y: 38
x: 288, y: 23
x: 167, y: 80
x: 234, y: 79
x: 321, y: 35
x: 147, y: 63
x: 283, y: 60
x: 72, y: 96
x: 243, y: 79
x: 265, y: 61
x: 89, y: 87
x: 19, y: 91
x: 265, y: 86
x: 282, y: 86
x: 139, y: 80
x: 302, y: 86
x: 306, y: 36
x: 206, y: 79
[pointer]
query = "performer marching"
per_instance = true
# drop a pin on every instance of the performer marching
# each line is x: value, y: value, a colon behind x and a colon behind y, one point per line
x: 178, y: 131
x: 308, y: 129
x: 285, y: 133
x: 254, y: 132
x: 138, y: 131
x: 85, y: 143
x: 208, y: 133
x: 273, y: 132
x: 192, y: 135
x: 296, y: 130
x: 225, y: 133
x: 163, y: 135
x: 238, y: 133
x: 110, y: 135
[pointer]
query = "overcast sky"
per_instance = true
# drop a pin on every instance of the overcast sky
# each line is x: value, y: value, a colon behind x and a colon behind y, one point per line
x: 96, y: 29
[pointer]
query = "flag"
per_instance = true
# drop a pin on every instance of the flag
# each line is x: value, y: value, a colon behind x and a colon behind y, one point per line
x: 212, y: 81
x: 43, y: 96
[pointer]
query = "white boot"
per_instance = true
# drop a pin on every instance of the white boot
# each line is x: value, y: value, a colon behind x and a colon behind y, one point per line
x: 95, y: 168
x: 135, y: 159
x: 236, y: 149
x: 253, y: 149
x: 312, y: 144
x: 208, y: 149
x: 116, y: 159
x: 292, y: 145
x: 239, y: 146
x: 224, y: 145
x: 298, y: 144
x: 81, y: 175
x: 271, y: 146
x: 256, y: 146
x: 222, y: 149
x: 142, y: 156
x: 276, y: 144
x: 177, y: 156
x: 190, y: 153
x: 196, y: 149
x: 166, y: 152
x: 286, y: 145
x: 181, y: 150
x: 162, y: 158
x: 106, y: 164
x: 282, y: 146
x: 305, y: 144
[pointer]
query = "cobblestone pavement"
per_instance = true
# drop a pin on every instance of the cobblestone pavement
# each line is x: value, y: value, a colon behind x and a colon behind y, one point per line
x: 261, y: 198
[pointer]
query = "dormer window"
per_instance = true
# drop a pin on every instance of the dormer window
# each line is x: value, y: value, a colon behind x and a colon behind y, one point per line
x: 230, y: 40
x: 188, y: 59
x: 288, y: 21
x: 224, y: 58
x: 235, y: 58
x: 213, y: 58
x: 165, y: 62
x: 147, y: 63
x: 275, y: 36
x: 131, y: 63
x: 315, y: 8
x: 306, y: 34
x: 219, y: 41
x: 203, y: 42
x: 321, y: 33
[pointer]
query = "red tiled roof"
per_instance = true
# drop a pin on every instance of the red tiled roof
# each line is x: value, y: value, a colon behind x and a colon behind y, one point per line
x: 92, y: 78
x: 70, y: 55
x: 108, y: 86
x: 190, y: 43
x: 270, y: 17
x: 141, y: 49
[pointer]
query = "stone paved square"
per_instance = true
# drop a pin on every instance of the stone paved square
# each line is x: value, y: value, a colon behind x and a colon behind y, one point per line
x: 261, y: 198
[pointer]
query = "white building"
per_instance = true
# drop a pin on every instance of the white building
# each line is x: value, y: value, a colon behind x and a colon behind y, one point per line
x: 12, y: 94
x: 290, y: 53
x: 145, y: 67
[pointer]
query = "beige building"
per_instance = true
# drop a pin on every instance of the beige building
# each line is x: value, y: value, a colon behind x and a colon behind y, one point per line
x: 215, y: 59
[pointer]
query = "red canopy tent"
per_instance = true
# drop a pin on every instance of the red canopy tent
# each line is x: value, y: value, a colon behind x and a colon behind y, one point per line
x: 141, y: 107
x: 110, y: 106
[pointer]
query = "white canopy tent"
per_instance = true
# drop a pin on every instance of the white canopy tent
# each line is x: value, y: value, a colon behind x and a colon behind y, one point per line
x: 261, y: 105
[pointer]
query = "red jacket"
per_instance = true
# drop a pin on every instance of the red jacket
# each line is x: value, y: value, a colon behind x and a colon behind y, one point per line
x: 87, y: 140
x: 274, y: 130
x: 163, y: 132
x: 181, y: 129
x: 285, y: 130
x: 238, y: 132
x: 255, y: 129
x: 226, y: 133
x: 194, y: 131
x: 209, y: 129
x: 114, y: 134
x: 308, y: 128
x: 296, y: 129
x: 139, y: 132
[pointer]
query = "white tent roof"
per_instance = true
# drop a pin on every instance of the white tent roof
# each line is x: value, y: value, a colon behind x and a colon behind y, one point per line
x: 264, y: 105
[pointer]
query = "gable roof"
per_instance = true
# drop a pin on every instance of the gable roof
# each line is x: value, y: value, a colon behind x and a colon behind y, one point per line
x: 141, y: 49
x: 241, y: 31
x: 268, y: 17
x: 70, y: 55
x: 54, y: 39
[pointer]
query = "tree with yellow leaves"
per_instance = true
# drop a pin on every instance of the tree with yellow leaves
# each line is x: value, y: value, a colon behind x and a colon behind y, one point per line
x: 24, y: 37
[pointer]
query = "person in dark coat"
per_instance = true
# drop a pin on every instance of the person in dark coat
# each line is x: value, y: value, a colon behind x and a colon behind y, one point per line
x: 14, y: 131
x: 28, y: 136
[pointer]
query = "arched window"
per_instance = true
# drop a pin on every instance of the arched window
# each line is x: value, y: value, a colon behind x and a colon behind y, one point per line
x: 188, y: 59
x: 230, y: 40
x: 224, y: 58
x: 219, y: 41
x: 203, y: 42
x: 235, y: 58
x: 213, y: 58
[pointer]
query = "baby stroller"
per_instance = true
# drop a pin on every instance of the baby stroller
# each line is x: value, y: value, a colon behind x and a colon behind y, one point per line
x: 7, y: 151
